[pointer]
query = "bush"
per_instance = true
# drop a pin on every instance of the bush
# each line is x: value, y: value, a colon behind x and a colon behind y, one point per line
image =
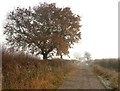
x: 112, y: 64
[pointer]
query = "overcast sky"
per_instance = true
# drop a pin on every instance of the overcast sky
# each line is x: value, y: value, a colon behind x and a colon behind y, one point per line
x: 99, y: 24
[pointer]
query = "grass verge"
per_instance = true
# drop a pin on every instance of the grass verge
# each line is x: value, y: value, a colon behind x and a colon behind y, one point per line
x: 20, y: 71
x: 107, y: 76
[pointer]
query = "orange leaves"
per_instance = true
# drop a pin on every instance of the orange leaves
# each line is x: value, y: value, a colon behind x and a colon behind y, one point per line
x: 60, y: 44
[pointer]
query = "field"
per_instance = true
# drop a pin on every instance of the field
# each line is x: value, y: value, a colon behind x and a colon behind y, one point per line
x: 108, y: 70
x: 22, y: 71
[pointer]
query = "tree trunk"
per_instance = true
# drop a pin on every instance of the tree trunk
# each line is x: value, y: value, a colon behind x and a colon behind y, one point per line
x: 44, y: 56
x: 61, y: 56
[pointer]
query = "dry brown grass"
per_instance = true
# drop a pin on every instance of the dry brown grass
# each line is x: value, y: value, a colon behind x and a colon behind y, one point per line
x: 110, y: 75
x: 25, y: 72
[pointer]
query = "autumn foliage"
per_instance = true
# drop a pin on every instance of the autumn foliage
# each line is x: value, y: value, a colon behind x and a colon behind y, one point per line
x: 44, y: 29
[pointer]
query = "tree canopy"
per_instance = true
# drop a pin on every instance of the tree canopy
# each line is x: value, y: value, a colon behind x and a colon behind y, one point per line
x: 43, y: 29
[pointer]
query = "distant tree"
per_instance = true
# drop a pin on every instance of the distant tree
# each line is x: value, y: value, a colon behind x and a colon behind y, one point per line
x: 77, y: 56
x: 44, y: 29
x: 87, y: 56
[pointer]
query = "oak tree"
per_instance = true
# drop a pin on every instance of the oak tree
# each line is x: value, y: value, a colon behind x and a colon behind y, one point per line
x: 43, y: 29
